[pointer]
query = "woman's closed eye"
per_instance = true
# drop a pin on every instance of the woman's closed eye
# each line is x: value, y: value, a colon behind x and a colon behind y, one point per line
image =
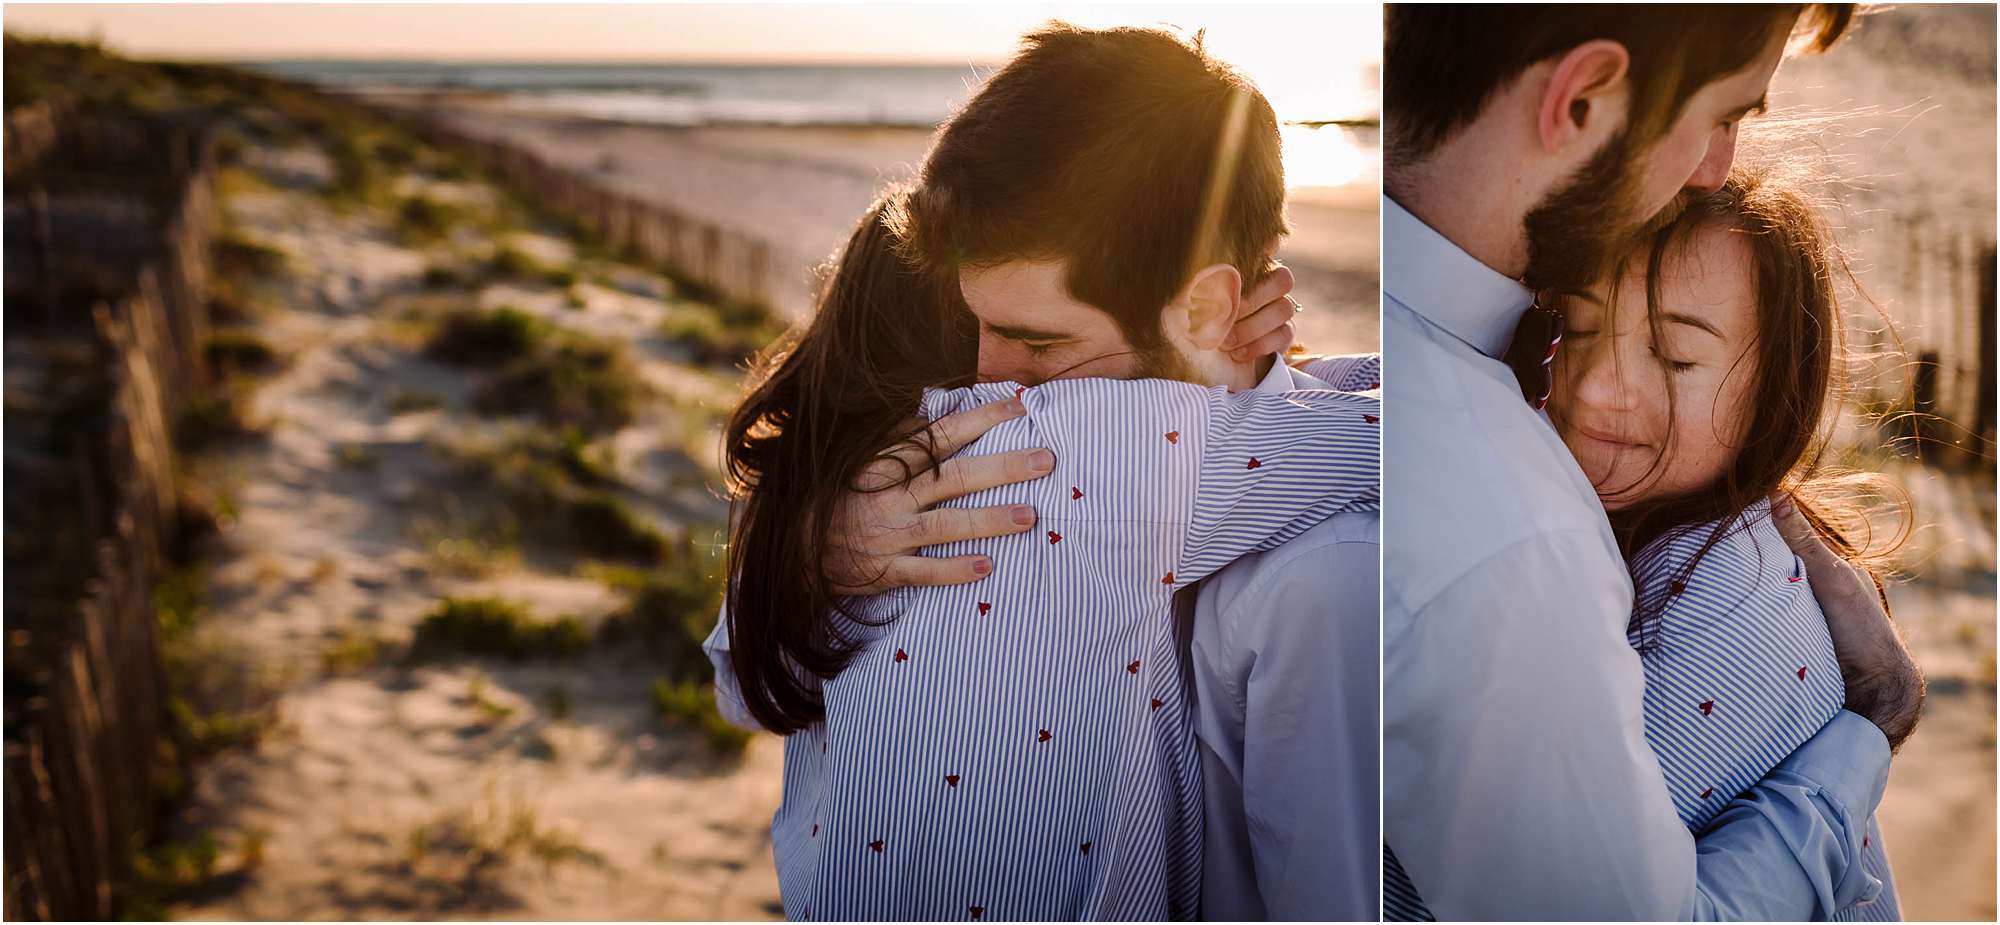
x: 1679, y: 366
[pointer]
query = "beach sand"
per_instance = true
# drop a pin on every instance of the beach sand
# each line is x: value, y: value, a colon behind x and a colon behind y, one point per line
x: 453, y: 789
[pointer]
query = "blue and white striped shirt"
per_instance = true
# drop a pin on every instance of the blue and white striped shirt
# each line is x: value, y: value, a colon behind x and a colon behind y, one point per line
x: 1740, y: 672
x: 1019, y: 747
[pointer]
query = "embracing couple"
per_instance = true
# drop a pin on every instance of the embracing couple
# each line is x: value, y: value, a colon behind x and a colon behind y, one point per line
x: 1635, y: 665
x: 1119, y: 659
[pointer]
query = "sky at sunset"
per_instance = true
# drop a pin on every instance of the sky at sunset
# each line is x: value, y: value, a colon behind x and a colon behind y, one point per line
x: 947, y: 33
x: 1307, y: 58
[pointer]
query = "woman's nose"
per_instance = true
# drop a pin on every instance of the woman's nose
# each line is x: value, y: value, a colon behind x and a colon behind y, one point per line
x: 1602, y: 375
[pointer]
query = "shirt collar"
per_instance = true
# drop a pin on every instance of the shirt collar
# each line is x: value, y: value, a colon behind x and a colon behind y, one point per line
x: 1437, y: 279
x: 1284, y: 378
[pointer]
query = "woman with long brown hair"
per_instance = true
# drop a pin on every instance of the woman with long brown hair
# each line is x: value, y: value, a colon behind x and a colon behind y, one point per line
x: 1698, y: 384
x: 1017, y: 747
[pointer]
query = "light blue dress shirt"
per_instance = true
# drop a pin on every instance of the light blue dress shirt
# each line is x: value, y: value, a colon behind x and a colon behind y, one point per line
x: 1285, y: 657
x: 1517, y: 779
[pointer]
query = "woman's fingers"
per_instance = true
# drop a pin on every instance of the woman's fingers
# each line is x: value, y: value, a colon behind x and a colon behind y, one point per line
x: 1273, y: 288
x: 1269, y: 328
x: 908, y: 571
x: 880, y: 529
x: 1825, y: 567
x: 961, y: 476
x: 951, y: 524
x: 955, y: 431
x: 1277, y: 342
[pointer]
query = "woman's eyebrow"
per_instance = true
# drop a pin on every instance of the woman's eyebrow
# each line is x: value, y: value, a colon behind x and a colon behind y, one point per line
x: 1693, y: 322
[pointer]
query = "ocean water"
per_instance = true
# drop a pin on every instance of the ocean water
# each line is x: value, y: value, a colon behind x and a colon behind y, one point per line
x: 679, y: 95
x: 913, y: 96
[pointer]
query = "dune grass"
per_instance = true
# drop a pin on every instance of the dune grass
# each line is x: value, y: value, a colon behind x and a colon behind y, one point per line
x: 494, y: 626
x: 540, y: 370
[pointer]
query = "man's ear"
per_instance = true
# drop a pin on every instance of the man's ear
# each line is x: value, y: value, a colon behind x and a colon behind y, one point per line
x: 1212, y: 298
x: 1581, y: 94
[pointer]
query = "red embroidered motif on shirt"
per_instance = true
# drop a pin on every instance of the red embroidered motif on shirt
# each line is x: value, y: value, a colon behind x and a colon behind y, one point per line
x: 1133, y: 668
x: 951, y: 779
x: 1054, y: 537
x: 976, y: 911
x: 1705, y: 794
x: 1075, y: 493
x: 1707, y: 707
x: 876, y: 845
x: 1086, y: 847
x: 1253, y: 463
x: 1042, y: 735
x: 1371, y: 419
x: 902, y: 656
x: 1169, y: 579
x: 1158, y: 703
x: 1802, y: 672
x: 1173, y: 436
x: 985, y: 608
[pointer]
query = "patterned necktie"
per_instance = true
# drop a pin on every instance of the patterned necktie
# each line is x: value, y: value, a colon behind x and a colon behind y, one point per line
x: 1536, y: 339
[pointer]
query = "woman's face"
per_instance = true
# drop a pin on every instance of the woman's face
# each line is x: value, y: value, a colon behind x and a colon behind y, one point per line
x: 1610, y: 402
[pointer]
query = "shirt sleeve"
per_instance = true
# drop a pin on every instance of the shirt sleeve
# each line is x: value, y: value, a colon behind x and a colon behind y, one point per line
x: 1287, y: 713
x: 1355, y: 372
x: 1273, y: 465
x: 728, y: 694
x: 1512, y: 791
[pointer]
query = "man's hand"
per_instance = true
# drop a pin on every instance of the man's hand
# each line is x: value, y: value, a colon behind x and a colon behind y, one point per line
x: 886, y: 516
x: 1884, y: 684
x: 1268, y: 329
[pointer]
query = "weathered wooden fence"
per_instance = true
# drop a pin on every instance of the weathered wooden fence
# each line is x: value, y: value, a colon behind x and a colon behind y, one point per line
x: 32, y: 131
x: 729, y: 263
x: 1935, y: 280
x: 96, y: 371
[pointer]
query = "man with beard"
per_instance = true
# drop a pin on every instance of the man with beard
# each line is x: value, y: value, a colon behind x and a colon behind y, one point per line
x: 1524, y: 146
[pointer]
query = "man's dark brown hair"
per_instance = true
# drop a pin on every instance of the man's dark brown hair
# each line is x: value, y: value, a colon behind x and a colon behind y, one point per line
x: 1442, y: 62
x: 1129, y: 154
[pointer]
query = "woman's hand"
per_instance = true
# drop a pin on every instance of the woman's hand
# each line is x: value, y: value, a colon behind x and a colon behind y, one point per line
x: 1268, y: 329
x: 885, y: 518
x: 1884, y: 684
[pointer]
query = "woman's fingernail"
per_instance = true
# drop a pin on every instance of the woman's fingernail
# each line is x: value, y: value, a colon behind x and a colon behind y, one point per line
x: 1041, y: 460
x: 1022, y: 514
x: 982, y: 567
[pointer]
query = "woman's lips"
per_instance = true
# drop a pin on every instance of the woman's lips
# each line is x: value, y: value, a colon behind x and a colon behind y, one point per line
x: 1609, y: 439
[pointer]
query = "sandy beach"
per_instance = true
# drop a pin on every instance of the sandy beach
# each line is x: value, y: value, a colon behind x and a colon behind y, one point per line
x: 473, y: 787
